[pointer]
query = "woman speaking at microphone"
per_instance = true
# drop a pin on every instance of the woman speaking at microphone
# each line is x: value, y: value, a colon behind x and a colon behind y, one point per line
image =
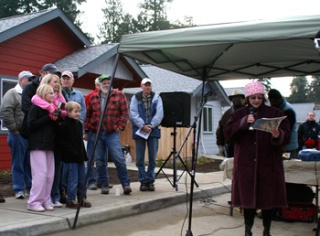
x: 258, y: 175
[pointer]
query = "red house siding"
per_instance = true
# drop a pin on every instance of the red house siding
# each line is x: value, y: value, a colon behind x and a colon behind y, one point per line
x: 30, y: 51
x: 36, y: 47
x: 5, y: 155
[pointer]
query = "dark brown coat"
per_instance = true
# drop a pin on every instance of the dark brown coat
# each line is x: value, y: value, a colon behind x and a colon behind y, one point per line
x: 258, y: 174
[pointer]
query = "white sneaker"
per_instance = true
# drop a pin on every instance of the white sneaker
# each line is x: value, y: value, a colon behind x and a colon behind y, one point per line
x: 57, y: 204
x: 49, y: 207
x: 20, y: 195
x: 37, y: 209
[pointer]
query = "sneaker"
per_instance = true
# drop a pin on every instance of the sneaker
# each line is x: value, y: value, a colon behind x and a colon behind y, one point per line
x: 2, y: 200
x: 37, y: 209
x: 57, y: 204
x: 104, y: 190
x: 143, y: 187
x: 72, y: 204
x: 127, y: 190
x: 92, y: 186
x: 49, y: 207
x: 20, y: 195
x: 27, y: 193
x: 151, y: 187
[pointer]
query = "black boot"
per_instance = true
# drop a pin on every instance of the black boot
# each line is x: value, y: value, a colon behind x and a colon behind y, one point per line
x: 248, y: 220
x: 266, y: 218
x: 247, y: 231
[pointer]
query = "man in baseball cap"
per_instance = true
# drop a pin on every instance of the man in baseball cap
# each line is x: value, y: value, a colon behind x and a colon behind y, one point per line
x: 50, y: 69
x: 26, y: 74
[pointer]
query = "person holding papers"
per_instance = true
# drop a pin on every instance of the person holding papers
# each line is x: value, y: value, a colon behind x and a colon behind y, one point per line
x: 258, y: 176
x: 146, y: 114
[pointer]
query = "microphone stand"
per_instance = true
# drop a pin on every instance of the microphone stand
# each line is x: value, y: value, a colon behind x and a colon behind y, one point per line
x: 90, y: 162
x: 195, y: 147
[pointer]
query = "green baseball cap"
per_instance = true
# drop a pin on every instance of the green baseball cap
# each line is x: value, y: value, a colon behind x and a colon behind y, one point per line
x: 103, y: 77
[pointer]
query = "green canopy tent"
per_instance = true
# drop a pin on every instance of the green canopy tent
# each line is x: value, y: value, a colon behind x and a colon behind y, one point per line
x: 252, y: 49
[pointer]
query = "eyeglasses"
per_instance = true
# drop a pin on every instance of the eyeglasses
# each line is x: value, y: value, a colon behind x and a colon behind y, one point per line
x: 256, y: 97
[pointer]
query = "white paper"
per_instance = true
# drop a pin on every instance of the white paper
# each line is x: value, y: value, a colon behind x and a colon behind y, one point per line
x: 268, y: 124
x: 143, y: 134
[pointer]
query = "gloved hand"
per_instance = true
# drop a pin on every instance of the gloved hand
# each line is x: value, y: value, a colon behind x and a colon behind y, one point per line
x: 221, y: 151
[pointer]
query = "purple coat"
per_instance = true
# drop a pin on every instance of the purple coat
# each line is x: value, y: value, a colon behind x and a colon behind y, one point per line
x: 258, y: 174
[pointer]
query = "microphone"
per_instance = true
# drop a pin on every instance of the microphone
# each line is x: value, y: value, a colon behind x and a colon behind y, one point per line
x: 252, y: 111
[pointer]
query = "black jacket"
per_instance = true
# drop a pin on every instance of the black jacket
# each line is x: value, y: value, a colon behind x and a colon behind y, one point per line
x: 41, y: 129
x: 70, y: 143
x: 26, y: 103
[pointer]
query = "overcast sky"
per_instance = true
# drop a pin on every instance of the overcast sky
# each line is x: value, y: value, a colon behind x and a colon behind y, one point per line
x: 210, y: 12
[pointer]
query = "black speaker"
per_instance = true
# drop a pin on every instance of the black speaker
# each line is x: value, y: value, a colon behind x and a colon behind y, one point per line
x: 176, y: 106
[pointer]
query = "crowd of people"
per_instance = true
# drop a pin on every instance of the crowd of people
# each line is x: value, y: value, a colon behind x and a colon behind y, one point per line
x: 48, y: 121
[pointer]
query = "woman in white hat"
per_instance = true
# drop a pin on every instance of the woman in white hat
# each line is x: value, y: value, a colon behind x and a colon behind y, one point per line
x: 258, y: 176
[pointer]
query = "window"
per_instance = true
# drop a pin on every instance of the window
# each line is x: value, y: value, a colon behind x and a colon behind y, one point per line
x: 207, y: 119
x: 6, y: 84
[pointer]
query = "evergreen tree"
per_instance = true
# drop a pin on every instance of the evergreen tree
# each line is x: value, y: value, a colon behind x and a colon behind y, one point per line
x: 117, y: 22
x: 299, y: 88
x: 314, y: 89
x: 16, y: 7
x: 153, y: 16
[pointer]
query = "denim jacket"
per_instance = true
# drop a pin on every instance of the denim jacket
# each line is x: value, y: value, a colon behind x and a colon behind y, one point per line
x: 138, y: 114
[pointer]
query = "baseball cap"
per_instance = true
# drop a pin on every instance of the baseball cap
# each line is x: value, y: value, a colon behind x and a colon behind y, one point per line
x: 51, y: 68
x: 103, y: 77
x: 27, y: 74
x: 146, y: 80
x: 67, y: 73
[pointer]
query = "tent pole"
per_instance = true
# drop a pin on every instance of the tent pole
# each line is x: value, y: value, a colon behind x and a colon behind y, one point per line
x: 89, y: 164
x: 195, y: 148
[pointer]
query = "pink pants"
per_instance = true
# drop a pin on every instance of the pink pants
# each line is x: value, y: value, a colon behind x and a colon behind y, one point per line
x: 42, y: 169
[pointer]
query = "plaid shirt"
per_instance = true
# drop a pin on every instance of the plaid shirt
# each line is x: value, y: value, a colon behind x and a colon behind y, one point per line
x: 116, y: 114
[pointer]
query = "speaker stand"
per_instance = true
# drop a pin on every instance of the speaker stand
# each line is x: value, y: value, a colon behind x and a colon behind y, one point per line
x: 174, y: 154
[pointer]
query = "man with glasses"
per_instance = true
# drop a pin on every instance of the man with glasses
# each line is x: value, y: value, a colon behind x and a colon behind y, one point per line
x: 12, y: 116
x: 308, y: 133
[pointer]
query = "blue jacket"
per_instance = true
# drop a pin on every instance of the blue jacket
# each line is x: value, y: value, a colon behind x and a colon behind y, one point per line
x: 138, y: 114
x: 291, y: 116
x: 77, y: 96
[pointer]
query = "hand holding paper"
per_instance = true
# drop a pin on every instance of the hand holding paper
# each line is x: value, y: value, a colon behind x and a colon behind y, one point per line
x: 268, y: 124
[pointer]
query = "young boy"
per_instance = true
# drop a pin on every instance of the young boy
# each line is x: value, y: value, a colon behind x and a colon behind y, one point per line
x: 73, y: 154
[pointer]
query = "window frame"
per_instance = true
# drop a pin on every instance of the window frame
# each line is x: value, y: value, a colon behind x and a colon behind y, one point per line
x: 207, y: 119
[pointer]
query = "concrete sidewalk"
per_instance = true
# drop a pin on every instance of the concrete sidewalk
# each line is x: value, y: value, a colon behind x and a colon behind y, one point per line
x: 17, y: 220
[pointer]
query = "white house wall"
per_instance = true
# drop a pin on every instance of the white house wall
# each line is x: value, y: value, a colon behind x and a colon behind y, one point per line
x: 107, y: 67
x: 207, y: 142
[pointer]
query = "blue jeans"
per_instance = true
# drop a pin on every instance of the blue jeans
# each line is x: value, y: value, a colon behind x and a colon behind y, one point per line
x: 75, y: 182
x: 149, y: 175
x: 21, y: 170
x: 109, y: 142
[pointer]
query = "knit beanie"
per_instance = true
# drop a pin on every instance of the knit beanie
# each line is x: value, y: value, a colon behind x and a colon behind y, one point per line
x: 254, y: 88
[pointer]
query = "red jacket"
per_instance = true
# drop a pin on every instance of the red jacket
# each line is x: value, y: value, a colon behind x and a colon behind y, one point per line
x: 116, y: 114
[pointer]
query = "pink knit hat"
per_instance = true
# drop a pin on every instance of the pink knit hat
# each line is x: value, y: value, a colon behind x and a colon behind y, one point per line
x: 254, y: 88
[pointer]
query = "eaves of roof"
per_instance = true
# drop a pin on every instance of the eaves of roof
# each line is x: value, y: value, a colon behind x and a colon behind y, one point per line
x: 84, y: 60
x: 15, y: 25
